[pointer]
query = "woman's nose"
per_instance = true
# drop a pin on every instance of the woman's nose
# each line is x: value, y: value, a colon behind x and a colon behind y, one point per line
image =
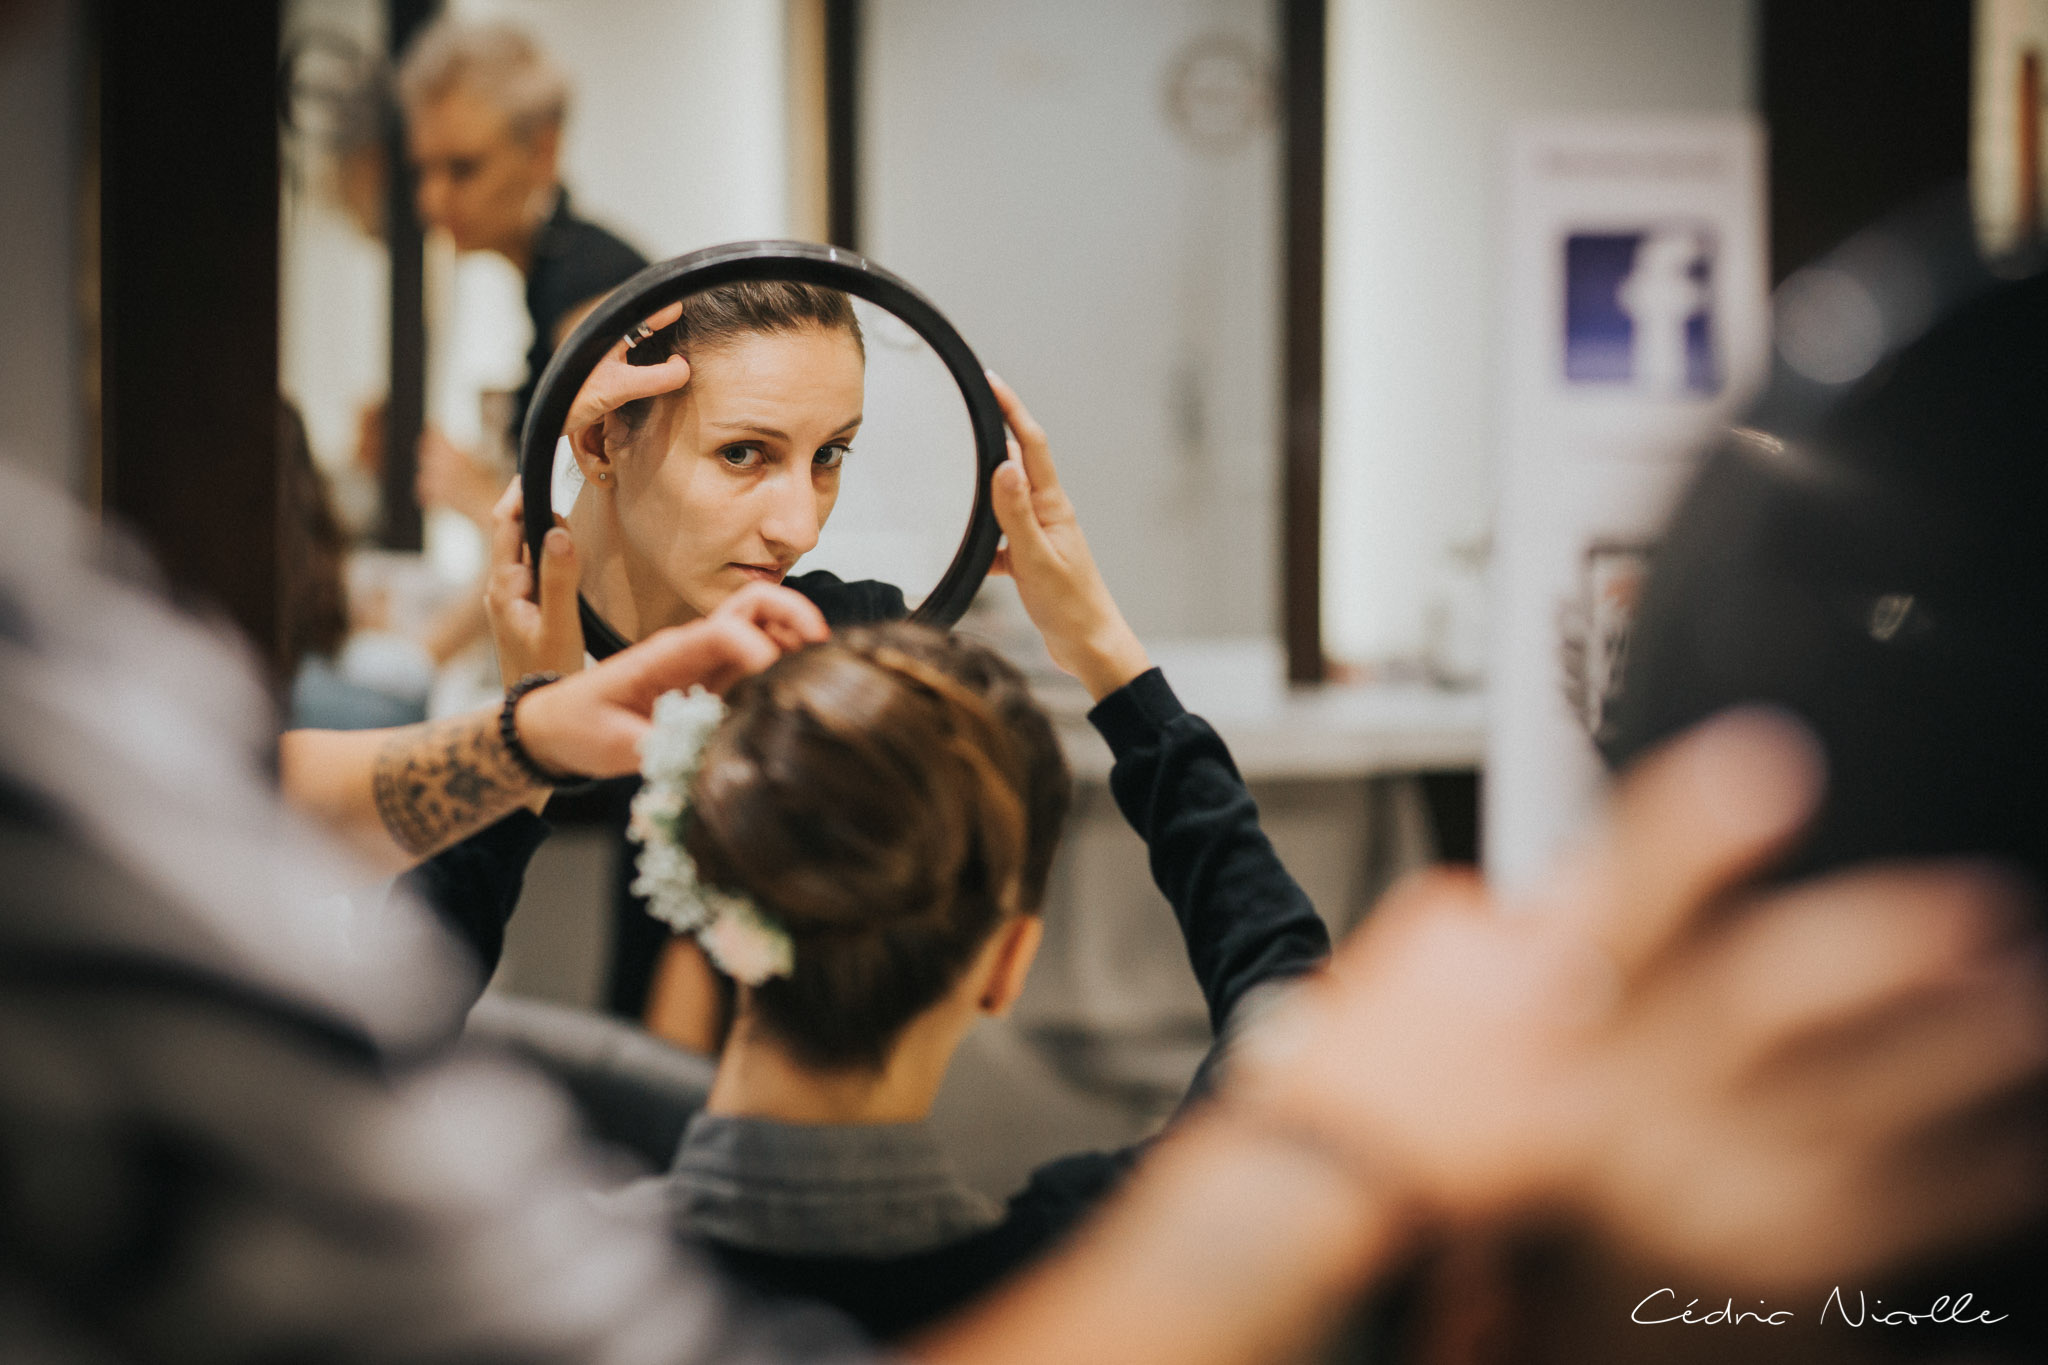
x: 793, y: 522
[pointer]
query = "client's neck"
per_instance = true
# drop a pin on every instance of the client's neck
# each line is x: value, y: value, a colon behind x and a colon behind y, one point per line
x: 628, y: 593
x: 757, y: 1078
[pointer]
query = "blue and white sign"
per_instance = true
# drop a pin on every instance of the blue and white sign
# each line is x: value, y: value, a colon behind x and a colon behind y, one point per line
x: 1635, y: 321
x: 1639, y: 309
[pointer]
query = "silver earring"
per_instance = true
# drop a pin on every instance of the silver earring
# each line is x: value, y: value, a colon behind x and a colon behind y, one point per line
x: 602, y: 477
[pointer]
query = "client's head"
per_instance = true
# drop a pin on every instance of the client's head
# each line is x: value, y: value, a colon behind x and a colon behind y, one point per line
x: 892, y: 799
x: 692, y: 495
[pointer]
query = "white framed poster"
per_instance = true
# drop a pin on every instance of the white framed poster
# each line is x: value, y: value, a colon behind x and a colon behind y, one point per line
x: 1636, y: 321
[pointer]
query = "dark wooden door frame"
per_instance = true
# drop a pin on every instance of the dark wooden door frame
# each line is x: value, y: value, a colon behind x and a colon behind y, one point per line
x: 399, y: 523
x: 842, y: 122
x: 1304, y: 50
x: 1868, y: 103
x: 188, y: 273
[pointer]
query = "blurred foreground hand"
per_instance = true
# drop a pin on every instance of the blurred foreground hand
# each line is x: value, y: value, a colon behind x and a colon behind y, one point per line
x: 1779, y: 1085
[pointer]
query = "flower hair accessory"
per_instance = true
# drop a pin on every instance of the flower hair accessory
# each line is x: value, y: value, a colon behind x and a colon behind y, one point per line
x: 746, y: 944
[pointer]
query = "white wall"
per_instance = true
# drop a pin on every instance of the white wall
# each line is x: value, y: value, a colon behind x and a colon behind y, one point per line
x: 1422, y: 94
x: 1020, y: 168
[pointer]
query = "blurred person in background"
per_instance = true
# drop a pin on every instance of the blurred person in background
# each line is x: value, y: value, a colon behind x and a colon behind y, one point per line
x: 484, y: 110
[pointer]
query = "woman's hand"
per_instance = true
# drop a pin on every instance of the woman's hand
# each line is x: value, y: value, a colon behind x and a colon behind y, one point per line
x: 592, y: 723
x: 1780, y: 1086
x: 615, y: 382
x: 532, y: 636
x: 1048, y: 558
x: 404, y: 794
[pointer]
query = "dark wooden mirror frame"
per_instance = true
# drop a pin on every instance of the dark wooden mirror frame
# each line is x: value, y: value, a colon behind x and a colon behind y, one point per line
x: 832, y: 267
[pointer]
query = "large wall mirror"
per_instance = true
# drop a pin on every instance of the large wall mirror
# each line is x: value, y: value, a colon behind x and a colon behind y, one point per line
x: 409, y: 337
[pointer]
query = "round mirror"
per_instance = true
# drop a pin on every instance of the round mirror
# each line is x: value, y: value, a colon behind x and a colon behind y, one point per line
x: 835, y: 434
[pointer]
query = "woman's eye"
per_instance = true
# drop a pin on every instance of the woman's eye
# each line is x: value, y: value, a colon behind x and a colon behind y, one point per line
x: 830, y: 457
x: 741, y: 456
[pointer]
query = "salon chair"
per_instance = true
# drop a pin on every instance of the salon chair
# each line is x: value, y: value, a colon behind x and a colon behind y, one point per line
x: 633, y: 1091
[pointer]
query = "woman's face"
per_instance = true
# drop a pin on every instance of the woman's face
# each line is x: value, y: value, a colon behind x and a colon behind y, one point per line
x: 474, y: 177
x: 730, y: 482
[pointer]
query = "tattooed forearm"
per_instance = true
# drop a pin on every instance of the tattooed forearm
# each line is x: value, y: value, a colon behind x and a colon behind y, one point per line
x: 443, y: 781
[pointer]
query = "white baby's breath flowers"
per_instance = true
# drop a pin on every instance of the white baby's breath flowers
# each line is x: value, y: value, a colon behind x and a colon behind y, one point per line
x: 746, y: 944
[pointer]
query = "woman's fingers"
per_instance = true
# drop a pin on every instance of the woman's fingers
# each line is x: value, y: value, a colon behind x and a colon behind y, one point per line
x: 1035, y: 450
x: 615, y: 381
x: 1015, y: 513
x: 506, y: 538
x: 1687, y: 825
x: 662, y: 317
x: 635, y: 382
x: 732, y: 649
x: 714, y: 652
x: 1929, y: 1058
x: 749, y: 631
x: 787, y: 616
x: 1837, y: 950
x: 561, y: 627
x: 511, y: 581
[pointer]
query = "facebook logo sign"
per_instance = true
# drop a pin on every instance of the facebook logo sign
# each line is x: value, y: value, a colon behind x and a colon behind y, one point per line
x: 1639, y: 310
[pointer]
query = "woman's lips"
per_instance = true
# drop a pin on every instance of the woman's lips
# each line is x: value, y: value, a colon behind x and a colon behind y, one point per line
x: 765, y: 573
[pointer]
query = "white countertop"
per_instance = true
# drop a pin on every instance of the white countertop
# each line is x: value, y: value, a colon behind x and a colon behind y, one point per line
x: 1277, y: 732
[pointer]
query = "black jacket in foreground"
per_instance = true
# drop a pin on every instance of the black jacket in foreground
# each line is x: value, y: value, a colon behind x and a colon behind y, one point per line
x: 1246, y: 923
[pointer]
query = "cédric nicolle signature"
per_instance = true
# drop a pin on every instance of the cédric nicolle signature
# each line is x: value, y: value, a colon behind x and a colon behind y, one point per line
x: 1660, y: 1307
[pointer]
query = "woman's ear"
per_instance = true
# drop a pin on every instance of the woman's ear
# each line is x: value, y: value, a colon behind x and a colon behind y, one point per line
x: 1017, y: 951
x: 593, y: 447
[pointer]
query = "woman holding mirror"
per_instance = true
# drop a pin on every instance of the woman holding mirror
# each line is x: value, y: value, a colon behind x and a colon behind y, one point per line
x: 690, y: 496
x: 687, y: 496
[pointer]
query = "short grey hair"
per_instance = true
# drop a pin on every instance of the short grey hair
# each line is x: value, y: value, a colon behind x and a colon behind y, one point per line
x: 495, y: 61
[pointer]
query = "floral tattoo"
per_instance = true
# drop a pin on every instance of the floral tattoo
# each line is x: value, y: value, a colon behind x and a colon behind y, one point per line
x: 437, y: 785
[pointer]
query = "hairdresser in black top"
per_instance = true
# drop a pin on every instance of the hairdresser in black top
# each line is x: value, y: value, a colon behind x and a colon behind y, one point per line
x: 891, y: 803
x: 484, y: 109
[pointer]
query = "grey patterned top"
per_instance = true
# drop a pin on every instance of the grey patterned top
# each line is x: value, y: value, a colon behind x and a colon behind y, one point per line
x: 822, y: 1189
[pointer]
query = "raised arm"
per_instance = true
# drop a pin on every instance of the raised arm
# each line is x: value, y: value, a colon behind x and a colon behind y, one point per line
x: 401, y: 795
x: 1244, y: 918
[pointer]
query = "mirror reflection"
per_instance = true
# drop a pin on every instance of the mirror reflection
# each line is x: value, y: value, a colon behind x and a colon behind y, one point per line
x: 819, y: 441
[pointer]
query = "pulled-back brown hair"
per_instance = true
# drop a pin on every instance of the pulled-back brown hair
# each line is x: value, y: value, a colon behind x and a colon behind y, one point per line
x: 888, y: 797
x: 715, y: 317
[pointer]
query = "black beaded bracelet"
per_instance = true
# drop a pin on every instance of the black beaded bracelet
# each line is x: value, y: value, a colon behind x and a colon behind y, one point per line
x: 508, y: 731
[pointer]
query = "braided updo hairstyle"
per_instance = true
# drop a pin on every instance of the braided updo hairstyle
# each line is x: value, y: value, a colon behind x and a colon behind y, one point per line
x: 888, y: 797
